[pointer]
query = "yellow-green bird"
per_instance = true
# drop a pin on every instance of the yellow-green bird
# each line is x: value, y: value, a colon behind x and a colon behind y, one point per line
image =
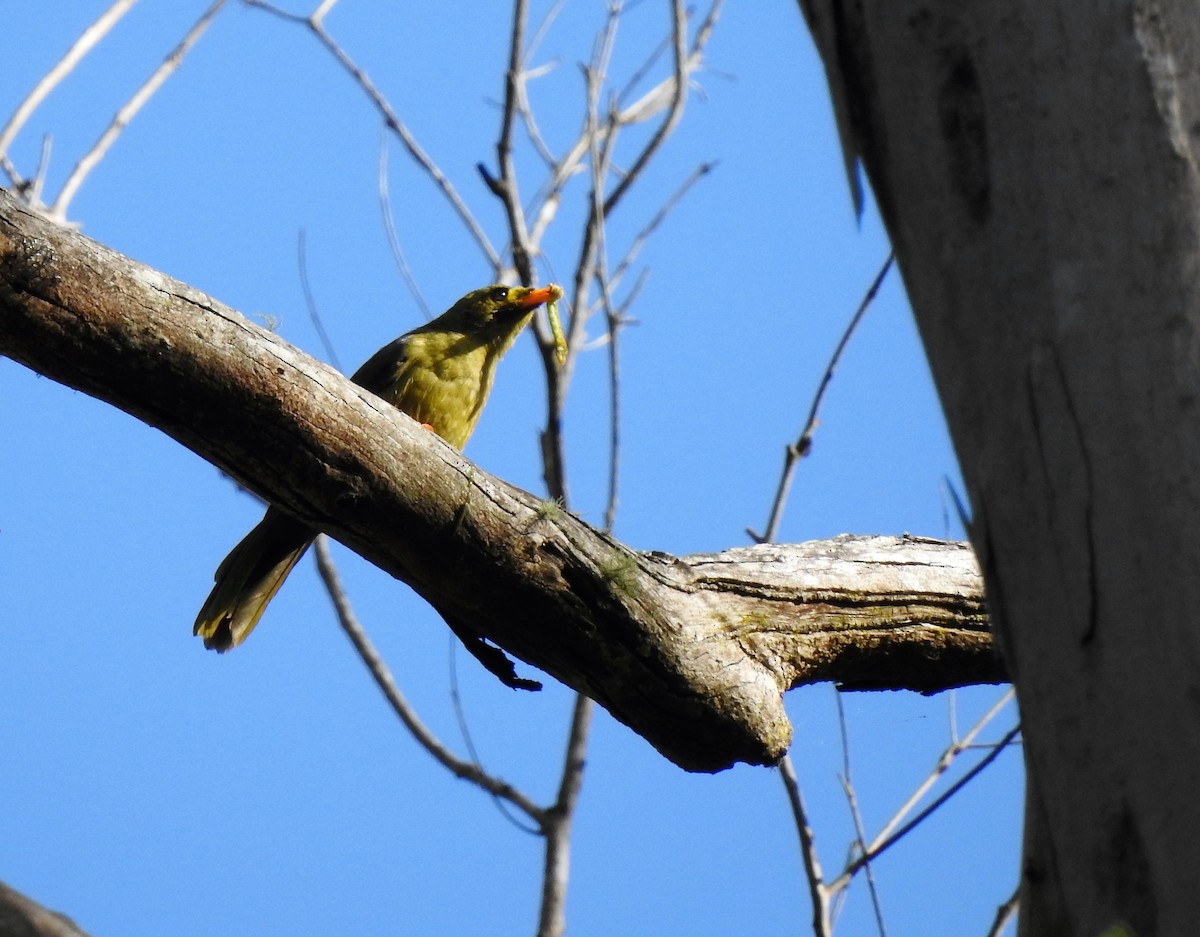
x: 439, y: 374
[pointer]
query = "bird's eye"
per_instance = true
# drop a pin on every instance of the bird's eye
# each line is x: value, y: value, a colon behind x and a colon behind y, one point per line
x: 500, y: 294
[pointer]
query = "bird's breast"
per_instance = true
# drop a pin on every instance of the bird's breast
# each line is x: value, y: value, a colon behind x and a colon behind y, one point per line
x: 444, y: 388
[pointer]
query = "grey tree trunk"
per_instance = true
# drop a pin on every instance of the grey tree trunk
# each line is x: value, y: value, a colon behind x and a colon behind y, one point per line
x: 1036, y: 165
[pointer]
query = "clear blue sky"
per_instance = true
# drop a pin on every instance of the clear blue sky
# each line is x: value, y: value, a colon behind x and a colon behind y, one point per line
x: 148, y: 787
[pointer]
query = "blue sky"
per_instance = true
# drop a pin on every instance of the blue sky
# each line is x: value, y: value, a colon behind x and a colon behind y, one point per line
x: 148, y: 787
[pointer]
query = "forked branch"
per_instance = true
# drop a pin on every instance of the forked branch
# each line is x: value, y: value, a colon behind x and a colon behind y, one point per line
x: 693, y: 653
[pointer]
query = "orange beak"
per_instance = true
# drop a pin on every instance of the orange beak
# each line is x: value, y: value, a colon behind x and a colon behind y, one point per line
x: 534, y: 298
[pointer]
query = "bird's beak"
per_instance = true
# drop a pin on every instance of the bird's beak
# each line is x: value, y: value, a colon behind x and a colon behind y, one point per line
x: 535, y: 298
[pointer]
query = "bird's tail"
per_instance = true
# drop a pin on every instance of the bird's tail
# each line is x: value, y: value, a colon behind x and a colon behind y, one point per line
x: 248, y: 579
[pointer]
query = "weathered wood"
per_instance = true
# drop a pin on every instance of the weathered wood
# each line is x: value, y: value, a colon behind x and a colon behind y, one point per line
x: 21, y: 916
x: 1038, y: 167
x: 693, y: 653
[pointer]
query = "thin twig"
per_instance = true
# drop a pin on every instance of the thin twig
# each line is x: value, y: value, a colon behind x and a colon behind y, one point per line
x: 314, y: 314
x: 800, y: 448
x: 945, y: 761
x: 383, y: 679
x: 1005, y: 913
x: 551, y: 191
x: 658, y: 97
x: 34, y: 185
x: 557, y: 377
x: 507, y: 188
x: 642, y: 70
x: 464, y: 730
x: 674, y: 112
x: 585, y: 268
x: 853, y: 867
x: 860, y: 834
x: 677, y: 84
x: 632, y: 295
x: 818, y: 894
x: 614, y: 410
x: 129, y: 110
x: 525, y: 110
x: 320, y: 12
x: 599, y: 169
x: 660, y: 216
x: 645, y: 108
x: 557, y: 823
x: 397, y: 126
x: 87, y: 41
x: 15, y: 181
x: 389, y: 224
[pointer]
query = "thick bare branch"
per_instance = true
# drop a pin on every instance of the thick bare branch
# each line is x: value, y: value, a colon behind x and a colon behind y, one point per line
x: 21, y: 916
x: 693, y: 653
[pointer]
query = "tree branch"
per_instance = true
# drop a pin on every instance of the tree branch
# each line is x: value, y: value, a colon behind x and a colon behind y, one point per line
x: 21, y: 916
x: 693, y: 653
x: 382, y: 676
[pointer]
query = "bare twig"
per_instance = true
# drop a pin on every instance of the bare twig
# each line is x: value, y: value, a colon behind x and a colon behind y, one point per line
x: 389, y: 224
x: 655, y: 222
x: 557, y: 377
x: 6, y: 166
x: 800, y: 448
x: 383, y: 678
x: 874, y: 853
x: 600, y: 263
x: 599, y: 146
x: 392, y: 119
x: 613, y: 318
x: 87, y: 41
x: 524, y: 109
x: 464, y: 729
x: 658, y: 97
x: 550, y: 194
x: 506, y: 186
x: 860, y: 835
x: 648, y: 106
x: 34, y: 185
x: 818, y: 893
x: 1005, y: 913
x: 944, y: 762
x: 632, y: 295
x: 129, y: 110
x: 642, y: 70
x: 674, y: 112
x: 556, y: 823
x: 320, y: 12
x: 314, y: 314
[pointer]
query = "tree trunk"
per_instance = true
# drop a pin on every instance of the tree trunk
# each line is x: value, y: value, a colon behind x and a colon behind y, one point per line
x: 1036, y: 165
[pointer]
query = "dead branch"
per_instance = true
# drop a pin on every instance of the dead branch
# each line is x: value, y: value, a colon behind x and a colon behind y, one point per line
x: 693, y: 653
x: 21, y: 916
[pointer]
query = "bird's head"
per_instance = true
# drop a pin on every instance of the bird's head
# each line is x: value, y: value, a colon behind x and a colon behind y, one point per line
x: 501, y: 311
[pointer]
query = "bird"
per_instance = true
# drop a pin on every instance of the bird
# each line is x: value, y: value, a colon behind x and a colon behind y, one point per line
x: 440, y: 374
